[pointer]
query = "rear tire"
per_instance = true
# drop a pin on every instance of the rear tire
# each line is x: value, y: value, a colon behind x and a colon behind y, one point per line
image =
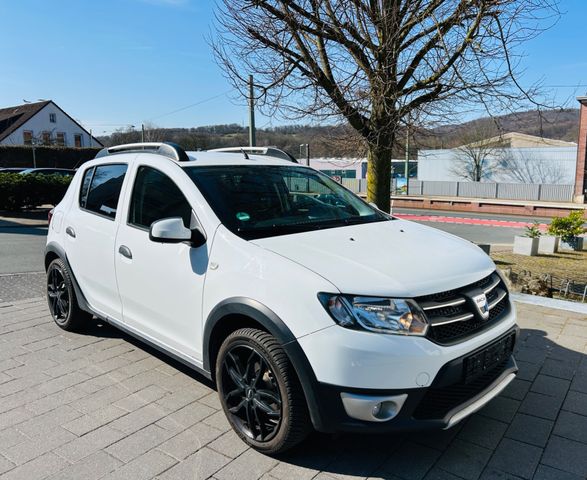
x: 61, y: 297
x: 260, y: 392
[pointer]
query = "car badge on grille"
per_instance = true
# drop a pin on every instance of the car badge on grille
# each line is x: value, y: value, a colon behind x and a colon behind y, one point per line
x: 482, y: 305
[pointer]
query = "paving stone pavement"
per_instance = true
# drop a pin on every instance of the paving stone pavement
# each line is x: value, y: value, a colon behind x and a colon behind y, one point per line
x: 101, y: 405
x: 20, y: 286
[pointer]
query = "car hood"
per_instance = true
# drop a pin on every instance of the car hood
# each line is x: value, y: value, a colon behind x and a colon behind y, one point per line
x: 390, y: 258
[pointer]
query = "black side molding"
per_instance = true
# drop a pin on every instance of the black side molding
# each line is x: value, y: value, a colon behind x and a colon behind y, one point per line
x: 55, y: 248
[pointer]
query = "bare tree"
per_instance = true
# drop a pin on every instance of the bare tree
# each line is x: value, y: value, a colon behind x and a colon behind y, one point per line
x: 153, y: 133
x: 377, y: 62
x: 524, y: 167
x: 123, y: 135
x: 480, y: 156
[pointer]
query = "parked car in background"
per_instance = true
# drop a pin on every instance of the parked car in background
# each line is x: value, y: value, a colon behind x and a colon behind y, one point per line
x: 64, y: 172
x: 12, y: 170
x: 308, y: 307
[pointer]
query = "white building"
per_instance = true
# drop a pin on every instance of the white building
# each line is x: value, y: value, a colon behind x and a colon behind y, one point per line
x: 511, y: 158
x: 42, y: 123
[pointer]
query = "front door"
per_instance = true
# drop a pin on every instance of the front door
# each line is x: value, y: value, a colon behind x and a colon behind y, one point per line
x: 160, y: 284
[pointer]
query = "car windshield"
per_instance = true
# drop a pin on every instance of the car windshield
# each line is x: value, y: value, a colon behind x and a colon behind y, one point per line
x: 265, y: 201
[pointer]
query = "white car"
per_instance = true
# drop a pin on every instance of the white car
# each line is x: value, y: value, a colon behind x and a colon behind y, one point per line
x: 308, y: 307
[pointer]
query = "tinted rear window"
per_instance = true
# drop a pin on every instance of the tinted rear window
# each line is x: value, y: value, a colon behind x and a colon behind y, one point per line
x: 105, y: 189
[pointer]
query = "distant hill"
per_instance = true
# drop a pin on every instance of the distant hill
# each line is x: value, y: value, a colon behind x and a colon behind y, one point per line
x: 339, y: 141
x: 556, y: 124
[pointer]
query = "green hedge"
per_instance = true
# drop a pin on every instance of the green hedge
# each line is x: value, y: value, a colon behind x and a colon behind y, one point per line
x: 59, y: 157
x: 28, y: 191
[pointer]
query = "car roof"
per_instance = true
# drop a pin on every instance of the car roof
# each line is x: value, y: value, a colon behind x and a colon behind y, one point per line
x: 197, y: 159
x: 48, y: 169
x: 167, y: 151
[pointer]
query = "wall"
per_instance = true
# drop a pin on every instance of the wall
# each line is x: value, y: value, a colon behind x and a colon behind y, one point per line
x: 40, y: 122
x: 436, y: 165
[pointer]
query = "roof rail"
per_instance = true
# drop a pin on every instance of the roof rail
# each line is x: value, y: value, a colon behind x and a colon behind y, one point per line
x: 266, y: 151
x: 167, y: 149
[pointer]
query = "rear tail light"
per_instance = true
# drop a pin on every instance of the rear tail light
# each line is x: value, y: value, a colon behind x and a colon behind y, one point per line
x: 49, y: 217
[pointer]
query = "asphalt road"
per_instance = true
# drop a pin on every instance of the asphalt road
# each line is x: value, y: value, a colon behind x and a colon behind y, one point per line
x: 21, y: 249
x: 479, y: 234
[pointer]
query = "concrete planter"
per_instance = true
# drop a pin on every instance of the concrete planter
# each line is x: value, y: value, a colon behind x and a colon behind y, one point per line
x: 526, y: 245
x: 548, y: 244
x: 577, y: 243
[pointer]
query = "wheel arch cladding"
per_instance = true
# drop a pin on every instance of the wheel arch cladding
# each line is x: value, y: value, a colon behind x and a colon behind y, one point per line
x: 238, y: 312
x: 54, y: 250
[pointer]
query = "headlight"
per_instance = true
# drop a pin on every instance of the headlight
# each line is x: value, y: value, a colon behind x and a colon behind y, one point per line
x: 383, y: 315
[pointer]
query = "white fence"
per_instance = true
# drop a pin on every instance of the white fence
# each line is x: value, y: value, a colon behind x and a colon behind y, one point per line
x: 505, y: 191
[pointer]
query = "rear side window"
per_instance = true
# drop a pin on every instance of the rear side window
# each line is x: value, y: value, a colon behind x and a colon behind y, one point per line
x: 104, y: 190
x: 155, y: 197
x: 83, y: 193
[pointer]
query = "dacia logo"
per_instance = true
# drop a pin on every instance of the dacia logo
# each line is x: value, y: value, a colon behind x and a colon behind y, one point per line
x: 482, y: 305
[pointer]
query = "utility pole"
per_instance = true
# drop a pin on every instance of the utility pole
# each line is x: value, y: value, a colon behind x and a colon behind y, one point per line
x: 407, y: 164
x: 142, y: 133
x: 90, y: 137
x: 305, y: 151
x: 252, y: 133
x: 34, y: 154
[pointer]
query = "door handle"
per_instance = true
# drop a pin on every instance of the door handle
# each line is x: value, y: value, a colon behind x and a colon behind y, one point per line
x: 125, y: 251
x: 70, y: 231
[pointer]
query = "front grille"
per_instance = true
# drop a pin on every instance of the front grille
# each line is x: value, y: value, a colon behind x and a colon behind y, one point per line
x: 437, y: 402
x: 453, y: 314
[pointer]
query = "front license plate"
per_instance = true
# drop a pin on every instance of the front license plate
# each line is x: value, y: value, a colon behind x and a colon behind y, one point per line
x: 489, y: 358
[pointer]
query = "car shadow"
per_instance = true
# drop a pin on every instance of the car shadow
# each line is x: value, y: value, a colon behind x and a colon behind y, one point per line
x: 12, y: 225
x: 468, y: 445
x: 98, y: 328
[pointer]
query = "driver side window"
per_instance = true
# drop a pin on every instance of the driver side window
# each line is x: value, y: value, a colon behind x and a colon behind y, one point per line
x: 155, y: 196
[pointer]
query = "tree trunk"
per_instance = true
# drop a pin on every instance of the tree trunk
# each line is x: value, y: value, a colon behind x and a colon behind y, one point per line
x: 379, y: 174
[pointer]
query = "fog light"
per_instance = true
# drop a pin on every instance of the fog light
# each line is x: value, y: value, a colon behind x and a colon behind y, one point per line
x: 372, y: 408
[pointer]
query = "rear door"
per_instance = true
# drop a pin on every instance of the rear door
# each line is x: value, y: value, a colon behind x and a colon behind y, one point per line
x: 90, y: 232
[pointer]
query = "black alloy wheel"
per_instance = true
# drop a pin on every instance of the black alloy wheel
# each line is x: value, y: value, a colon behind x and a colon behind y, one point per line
x: 58, y: 294
x: 61, y: 298
x: 260, y: 392
x: 251, y: 392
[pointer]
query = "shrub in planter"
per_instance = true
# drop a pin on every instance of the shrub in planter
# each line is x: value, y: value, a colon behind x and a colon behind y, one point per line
x: 28, y: 191
x: 527, y: 244
x: 568, y: 229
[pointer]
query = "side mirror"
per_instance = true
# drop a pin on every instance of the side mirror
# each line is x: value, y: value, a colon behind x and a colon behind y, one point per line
x: 172, y: 230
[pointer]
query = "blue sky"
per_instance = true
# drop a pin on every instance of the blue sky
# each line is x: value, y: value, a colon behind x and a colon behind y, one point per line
x: 111, y: 63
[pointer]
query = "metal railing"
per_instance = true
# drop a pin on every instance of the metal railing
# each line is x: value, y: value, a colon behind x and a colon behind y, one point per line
x: 505, y: 191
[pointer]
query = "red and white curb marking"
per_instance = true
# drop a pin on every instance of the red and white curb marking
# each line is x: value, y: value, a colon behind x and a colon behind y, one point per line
x: 486, y: 222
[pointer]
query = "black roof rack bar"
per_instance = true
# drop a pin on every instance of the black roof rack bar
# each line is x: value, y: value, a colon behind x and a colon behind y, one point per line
x: 167, y: 149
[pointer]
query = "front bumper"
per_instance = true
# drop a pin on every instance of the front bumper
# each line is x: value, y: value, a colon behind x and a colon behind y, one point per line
x: 443, y: 404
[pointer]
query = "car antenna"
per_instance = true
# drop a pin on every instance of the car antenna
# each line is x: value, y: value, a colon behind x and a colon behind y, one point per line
x: 245, y: 154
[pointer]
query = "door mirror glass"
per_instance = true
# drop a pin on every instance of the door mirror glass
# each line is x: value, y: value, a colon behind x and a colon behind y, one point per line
x: 169, y: 230
x: 198, y: 237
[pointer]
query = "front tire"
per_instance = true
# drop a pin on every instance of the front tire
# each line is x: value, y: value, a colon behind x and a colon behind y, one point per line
x: 61, y: 297
x: 260, y: 392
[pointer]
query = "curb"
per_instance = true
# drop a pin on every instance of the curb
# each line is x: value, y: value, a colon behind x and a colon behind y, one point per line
x: 550, y: 302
